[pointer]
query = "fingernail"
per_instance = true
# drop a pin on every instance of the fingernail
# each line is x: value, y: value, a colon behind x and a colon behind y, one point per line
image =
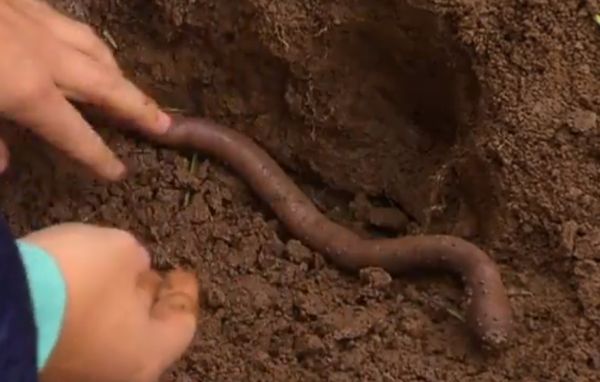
x: 164, y: 122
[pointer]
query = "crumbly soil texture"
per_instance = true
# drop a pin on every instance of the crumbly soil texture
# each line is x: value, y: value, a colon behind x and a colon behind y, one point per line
x: 476, y: 118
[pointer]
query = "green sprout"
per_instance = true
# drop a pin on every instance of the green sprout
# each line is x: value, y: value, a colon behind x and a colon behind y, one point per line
x: 192, y: 169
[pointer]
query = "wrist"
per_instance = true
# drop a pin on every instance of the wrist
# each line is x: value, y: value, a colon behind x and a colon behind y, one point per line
x: 49, y: 297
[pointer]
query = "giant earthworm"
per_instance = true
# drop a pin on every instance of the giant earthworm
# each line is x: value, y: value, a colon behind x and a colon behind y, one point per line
x: 489, y: 313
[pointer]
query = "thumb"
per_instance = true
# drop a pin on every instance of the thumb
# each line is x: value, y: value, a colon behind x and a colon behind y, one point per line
x: 172, y: 320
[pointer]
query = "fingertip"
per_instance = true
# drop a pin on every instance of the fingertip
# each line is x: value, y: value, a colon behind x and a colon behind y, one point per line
x: 178, y: 294
x: 163, y: 122
x: 143, y: 110
x: 183, y: 282
x: 147, y: 114
x: 120, y: 172
x: 105, y: 171
x: 115, y: 171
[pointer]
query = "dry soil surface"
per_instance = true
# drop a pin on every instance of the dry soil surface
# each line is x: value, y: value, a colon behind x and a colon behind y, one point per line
x: 472, y: 117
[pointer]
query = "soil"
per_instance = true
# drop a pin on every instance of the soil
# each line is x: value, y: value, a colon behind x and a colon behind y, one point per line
x: 476, y: 118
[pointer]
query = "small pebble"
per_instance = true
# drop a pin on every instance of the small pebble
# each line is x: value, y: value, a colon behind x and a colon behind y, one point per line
x: 296, y: 252
x: 375, y: 277
x: 276, y: 247
x: 387, y: 218
x: 583, y: 121
x: 588, y: 246
x: 568, y: 233
x: 215, y: 298
x: 308, y: 345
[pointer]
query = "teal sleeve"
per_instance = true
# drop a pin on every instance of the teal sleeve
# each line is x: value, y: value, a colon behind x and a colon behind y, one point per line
x: 49, y: 294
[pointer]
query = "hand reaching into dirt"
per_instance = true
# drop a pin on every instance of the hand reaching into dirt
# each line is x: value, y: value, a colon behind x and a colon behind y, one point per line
x: 48, y: 59
x: 122, y: 321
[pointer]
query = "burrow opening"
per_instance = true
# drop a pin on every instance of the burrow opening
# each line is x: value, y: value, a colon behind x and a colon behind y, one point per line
x: 377, y: 98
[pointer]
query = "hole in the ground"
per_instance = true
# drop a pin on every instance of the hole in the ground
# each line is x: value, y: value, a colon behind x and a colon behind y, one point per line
x: 405, y: 76
x: 375, y: 102
x: 387, y: 97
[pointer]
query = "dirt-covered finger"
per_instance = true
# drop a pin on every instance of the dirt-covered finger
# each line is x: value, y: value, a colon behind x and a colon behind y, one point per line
x: 177, y: 295
x: 172, y: 322
x: 48, y: 114
x: 87, y: 81
x: 148, y: 285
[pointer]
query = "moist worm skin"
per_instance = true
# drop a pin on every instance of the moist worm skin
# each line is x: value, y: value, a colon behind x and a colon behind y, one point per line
x: 489, y: 313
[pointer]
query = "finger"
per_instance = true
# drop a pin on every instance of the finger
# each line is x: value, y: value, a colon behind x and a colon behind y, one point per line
x: 86, y: 81
x: 172, y: 321
x: 148, y: 286
x: 79, y: 35
x: 177, y: 296
x: 4, y: 156
x: 47, y: 113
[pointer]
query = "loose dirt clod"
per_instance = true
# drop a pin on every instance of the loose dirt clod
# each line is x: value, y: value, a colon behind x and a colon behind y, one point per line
x: 308, y: 345
x: 489, y: 312
x: 387, y: 218
x: 297, y: 252
x: 375, y: 277
x: 583, y: 121
x: 215, y: 298
x: 568, y: 234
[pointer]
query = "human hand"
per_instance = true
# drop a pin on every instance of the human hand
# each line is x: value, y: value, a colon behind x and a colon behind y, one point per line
x: 123, y: 322
x: 48, y: 59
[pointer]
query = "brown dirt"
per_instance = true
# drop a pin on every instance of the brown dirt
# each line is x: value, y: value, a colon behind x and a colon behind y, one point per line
x: 478, y: 118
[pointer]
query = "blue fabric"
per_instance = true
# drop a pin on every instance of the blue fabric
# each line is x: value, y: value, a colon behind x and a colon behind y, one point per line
x: 18, y: 335
x: 49, y: 295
